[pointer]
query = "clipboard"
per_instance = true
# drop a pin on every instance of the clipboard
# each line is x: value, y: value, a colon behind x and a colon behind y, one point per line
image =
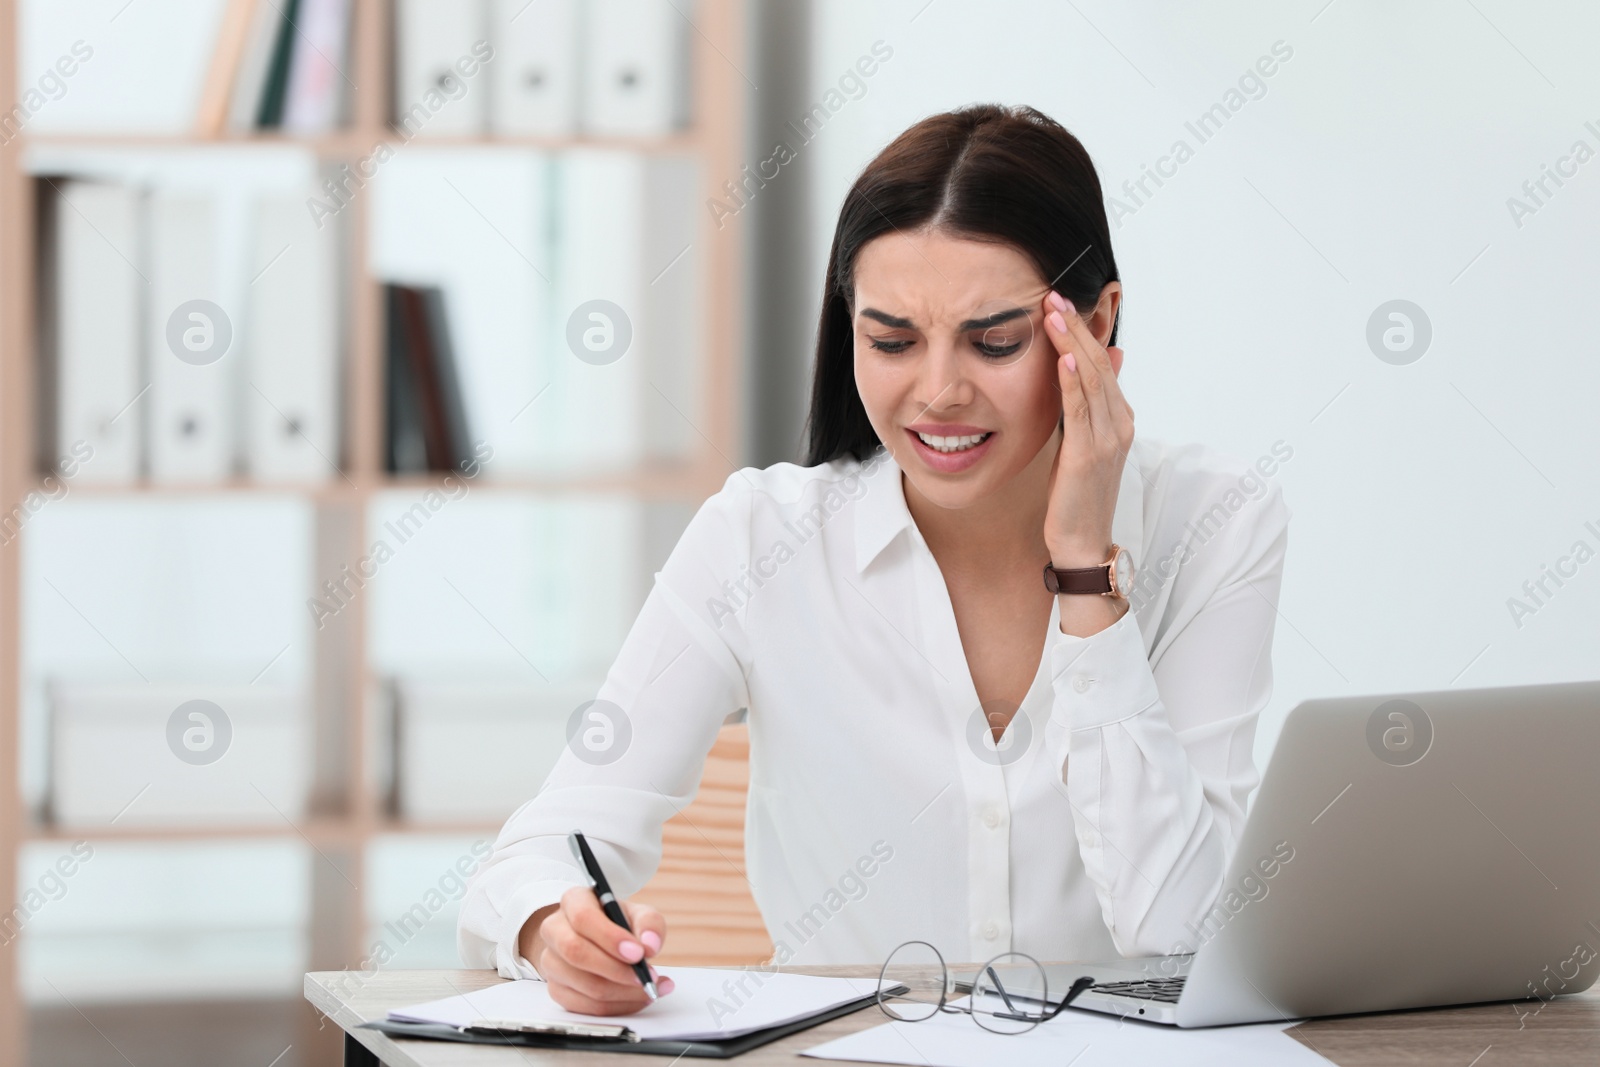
x: 557, y: 1038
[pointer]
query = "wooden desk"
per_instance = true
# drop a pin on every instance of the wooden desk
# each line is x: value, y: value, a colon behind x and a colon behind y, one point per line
x: 1564, y: 1031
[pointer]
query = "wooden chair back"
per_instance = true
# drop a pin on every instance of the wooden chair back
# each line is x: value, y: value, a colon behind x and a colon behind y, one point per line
x: 700, y: 886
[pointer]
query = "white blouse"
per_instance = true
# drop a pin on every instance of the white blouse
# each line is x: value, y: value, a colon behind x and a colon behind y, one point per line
x: 879, y: 809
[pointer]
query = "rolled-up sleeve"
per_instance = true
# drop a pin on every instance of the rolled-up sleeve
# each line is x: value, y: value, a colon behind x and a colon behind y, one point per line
x: 1156, y: 748
x: 679, y: 674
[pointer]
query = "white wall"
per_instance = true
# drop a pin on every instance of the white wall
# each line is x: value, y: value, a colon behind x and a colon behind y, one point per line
x: 1376, y: 165
x: 162, y: 49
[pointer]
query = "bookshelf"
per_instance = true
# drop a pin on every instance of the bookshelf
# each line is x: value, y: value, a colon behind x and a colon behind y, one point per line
x: 345, y: 812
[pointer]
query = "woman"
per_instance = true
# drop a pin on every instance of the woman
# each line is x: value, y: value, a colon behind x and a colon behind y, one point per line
x: 942, y: 747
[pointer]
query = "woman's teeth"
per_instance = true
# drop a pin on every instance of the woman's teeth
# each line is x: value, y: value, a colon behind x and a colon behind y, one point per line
x: 952, y: 444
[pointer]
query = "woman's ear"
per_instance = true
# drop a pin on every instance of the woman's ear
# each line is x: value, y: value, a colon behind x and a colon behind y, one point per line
x: 1104, y: 316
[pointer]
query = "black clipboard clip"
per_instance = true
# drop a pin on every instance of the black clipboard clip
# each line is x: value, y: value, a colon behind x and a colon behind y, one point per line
x: 592, y: 1031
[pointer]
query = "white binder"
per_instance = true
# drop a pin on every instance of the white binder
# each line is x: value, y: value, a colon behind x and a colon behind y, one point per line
x: 190, y: 432
x: 98, y: 294
x: 431, y: 36
x: 636, y: 57
x: 319, y: 70
x: 145, y: 756
x: 626, y: 237
x: 593, y: 421
x: 291, y: 346
x: 535, y: 69
x: 670, y: 336
x: 477, y: 751
x: 249, y: 82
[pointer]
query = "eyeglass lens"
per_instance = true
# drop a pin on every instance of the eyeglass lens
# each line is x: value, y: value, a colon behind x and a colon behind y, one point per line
x: 1008, y: 994
x: 918, y: 966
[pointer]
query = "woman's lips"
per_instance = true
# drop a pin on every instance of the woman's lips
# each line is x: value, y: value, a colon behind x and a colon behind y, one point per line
x: 951, y: 462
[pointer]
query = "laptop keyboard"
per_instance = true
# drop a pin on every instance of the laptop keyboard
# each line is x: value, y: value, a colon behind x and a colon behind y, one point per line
x: 1165, y: 990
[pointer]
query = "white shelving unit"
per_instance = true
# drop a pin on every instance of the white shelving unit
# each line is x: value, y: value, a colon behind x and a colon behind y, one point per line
x: 346, y: 814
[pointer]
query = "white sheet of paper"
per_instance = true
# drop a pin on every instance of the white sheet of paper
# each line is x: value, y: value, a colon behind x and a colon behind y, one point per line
x: 1082, y: 1039
x: 707, y: 1004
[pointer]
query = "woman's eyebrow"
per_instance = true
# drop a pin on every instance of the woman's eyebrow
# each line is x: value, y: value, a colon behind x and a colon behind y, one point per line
x: 898, y: 323
x: 887, y: 319
x: 993, y: 320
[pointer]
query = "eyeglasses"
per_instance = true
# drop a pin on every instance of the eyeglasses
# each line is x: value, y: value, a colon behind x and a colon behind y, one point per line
x: 923, y: 988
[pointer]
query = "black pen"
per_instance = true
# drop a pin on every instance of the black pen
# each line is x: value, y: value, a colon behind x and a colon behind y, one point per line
x: 608, y: 902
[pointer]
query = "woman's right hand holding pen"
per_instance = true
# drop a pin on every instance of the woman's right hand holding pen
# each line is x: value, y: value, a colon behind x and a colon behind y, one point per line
x: 587, y: 959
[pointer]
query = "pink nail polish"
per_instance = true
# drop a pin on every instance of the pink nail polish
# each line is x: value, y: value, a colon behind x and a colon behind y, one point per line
x: 632, y: 951
x: 652, y: 940
x: 1058, y: 322
x: 1072, y: 364
x: 1066, y: 305
x: 1057, y: 301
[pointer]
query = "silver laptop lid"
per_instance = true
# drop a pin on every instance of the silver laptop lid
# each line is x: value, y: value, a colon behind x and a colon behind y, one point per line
x: 1408, y: 851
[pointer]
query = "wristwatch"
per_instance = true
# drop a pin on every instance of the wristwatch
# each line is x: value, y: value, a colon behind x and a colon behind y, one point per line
x: 1113, y: 578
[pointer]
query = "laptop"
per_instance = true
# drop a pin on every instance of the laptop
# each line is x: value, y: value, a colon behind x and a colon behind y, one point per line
x: 1403, y: 851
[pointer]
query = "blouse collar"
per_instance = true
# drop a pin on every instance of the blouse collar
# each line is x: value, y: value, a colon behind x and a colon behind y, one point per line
x: 881, y: 512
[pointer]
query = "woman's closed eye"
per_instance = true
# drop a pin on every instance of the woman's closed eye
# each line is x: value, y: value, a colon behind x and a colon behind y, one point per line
x: 888, y: 344
x: 990, y: 344
x: 996, y: 344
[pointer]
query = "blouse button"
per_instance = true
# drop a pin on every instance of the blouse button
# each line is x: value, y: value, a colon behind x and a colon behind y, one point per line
x: 991, y: 818
x: 990, y: 931
x: 1080, y: 683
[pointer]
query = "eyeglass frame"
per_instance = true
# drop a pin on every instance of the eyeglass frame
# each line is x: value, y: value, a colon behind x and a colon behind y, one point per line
x: 947, y: 986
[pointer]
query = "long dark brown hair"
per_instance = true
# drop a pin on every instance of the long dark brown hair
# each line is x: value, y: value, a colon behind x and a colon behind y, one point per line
x: 987, y: 172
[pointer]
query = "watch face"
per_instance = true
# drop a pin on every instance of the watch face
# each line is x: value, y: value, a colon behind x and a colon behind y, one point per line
x: 1124, y: 571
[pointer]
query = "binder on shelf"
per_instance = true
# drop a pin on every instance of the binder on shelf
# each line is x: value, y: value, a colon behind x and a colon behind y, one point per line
x: 427, y: 421
x: 536, y: 66
x: 670, y: 336
x: 189, y: 429
x: 636, y: 67
x: 497, y: 281
x: 233, y: 42
x: 172, y: 754
x: 275, y: 88
x: 291, y: 347
x: 250, y: 80
x: 473, y: 751
x: 439, y: 371
x: 430, y: 37
x: 594, y: 422
x: 404, y: 448
x: 92, y: 294
x: 316, y: 88
x: 626, y: 238
x: 581, y: 312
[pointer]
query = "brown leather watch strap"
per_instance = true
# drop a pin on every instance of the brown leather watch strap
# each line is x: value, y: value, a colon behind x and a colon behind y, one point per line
x: 1078, y: 579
